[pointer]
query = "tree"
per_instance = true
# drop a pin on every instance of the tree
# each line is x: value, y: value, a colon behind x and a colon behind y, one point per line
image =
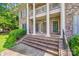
x: 7, y: 18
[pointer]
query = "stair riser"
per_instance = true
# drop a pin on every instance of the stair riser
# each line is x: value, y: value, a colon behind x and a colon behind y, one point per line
x: 53, y: 43
x: 52, y: 37
x: 43, y: 37
x: 52, y: 48
x: 54, y: 40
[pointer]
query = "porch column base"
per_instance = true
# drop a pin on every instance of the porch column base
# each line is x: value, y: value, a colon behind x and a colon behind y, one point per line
x: 61, y: 36
x: 34, y: 34
x: 27, y: 33
x: 48, y: 35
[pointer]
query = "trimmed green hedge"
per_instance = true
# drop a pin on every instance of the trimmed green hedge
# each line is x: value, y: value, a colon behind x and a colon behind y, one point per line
x: 13, y: 37
x: 74, y: 45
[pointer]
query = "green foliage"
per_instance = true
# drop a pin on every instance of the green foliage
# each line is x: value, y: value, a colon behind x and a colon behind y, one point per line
x: 2, y: 41
x: 13, y: 36
x: 8, y: 19
x: 74, y: 45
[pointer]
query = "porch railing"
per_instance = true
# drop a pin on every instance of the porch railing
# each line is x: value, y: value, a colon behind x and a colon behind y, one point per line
x: 42, y: 9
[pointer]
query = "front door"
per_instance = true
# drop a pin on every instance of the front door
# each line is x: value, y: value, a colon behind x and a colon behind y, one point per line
x: 55, y: 26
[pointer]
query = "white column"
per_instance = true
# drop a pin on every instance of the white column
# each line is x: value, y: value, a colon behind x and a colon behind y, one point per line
x: 27, y: 19
x: 62, y: 19
x: 34, y: 21
x: 48, y: 21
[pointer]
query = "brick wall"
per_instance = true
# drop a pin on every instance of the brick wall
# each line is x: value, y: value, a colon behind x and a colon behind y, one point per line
x: 71, y: 9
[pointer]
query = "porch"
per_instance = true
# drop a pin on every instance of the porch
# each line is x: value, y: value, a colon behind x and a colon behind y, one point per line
x: 51, y: 22
x: 54, y: 26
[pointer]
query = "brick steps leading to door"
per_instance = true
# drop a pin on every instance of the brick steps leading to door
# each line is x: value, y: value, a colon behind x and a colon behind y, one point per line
x: 44, y: 44
x: 55, y: 53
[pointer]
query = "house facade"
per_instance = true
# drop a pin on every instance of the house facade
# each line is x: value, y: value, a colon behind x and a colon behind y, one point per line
x: 42, y: 18
x: 50, y: 19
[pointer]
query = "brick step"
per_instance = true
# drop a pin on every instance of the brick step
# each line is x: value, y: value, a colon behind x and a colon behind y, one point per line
x: 51, y: 51
x: 43, y: 41
x: 43, y: 37
x: 43, y: 44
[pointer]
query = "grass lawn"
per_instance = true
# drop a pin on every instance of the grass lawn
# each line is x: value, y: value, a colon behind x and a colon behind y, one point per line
x: 2, y: 41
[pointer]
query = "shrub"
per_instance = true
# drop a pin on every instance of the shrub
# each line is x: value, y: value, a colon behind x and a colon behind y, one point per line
x: 74, y: 45
x: 13, y: 36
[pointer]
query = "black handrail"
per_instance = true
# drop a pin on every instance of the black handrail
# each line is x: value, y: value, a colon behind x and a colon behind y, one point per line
x: 65, y: 45
x: 64, y: 41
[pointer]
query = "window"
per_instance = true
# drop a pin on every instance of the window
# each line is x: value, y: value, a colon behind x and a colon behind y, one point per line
x: 21, y: 14
x: 76, y: 24
x: 44, y: 9
x: 55, y: 5
x: 24, y: 26
x: 24, y: 12
x: 51, y: 6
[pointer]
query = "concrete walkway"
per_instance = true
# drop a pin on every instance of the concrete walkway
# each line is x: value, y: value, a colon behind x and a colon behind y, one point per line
x: 23, y: 50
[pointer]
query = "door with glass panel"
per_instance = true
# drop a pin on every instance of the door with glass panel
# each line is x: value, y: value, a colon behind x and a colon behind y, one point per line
x: 55, y: 26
